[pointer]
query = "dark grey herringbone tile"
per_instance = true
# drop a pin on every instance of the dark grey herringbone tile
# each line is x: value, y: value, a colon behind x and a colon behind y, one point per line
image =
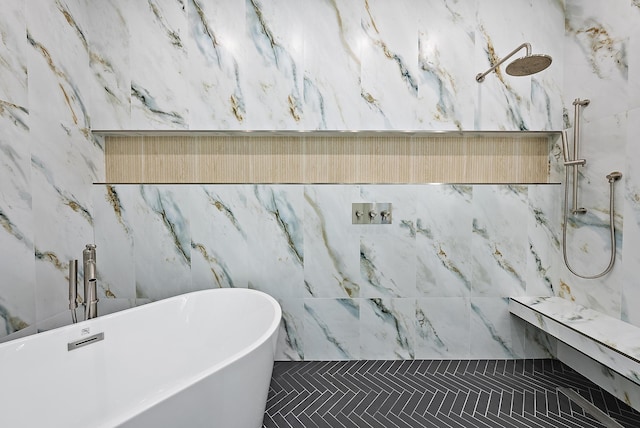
x: 457, y: 394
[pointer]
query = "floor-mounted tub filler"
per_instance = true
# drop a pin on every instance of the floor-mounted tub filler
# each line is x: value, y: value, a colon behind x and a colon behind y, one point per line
x: 202, y: 359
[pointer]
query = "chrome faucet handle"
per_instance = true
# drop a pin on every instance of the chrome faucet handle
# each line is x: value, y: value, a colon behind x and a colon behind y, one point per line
x: 73, y: 284
x: 73, y: 289
x: 90, y: 281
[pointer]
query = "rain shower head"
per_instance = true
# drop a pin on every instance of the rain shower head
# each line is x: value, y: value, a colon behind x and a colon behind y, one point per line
x: 528, y: 64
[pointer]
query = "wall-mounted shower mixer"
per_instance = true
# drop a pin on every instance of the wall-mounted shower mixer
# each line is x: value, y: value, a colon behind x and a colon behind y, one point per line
x: 370, y: 213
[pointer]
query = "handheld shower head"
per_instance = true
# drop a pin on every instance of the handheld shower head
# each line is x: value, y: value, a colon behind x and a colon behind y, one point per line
x: 525, y: 66
x: 614, y: 176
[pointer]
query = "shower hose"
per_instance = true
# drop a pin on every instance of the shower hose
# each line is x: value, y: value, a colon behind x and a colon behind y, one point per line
x: 613, y: 177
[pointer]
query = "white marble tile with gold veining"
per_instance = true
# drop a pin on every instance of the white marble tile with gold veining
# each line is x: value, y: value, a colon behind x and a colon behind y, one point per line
x: 446, y: 86
x: 220, y: 254
x: 596, y: 55
x: 113, y: 230
x: 631, y: 243
x: 216, y: 45
x: 442, y: 328
x: 503, y: 102
x: 13, y: 55
x: 387, y: 328
x: 333, y: 39
x: 332, y: 329
x: 491, y: 329
x: 273, y: 224
x: 544, y: 230
x: 331, y: 242
x: 160, y: 219
x: 108, y: 40
x: 390, y: 79
x: 272, y: 65
x: 290, y: 345
x: 159, y: 64
x: 499, y: 241
x: 443, y: 230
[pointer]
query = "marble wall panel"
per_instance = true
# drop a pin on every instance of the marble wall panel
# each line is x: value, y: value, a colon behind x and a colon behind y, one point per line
x: 160, y: 216
x: 547, y: 86
x: 389, y: 65
x: 387, y: 328
x: 291, y: 335
x: 333, y: 39
x: 633, y: 57
x: 108, y: 42
x: 17, y: 288
x: 159, y: 64
x: 275, y: 240
x: 17, y: 300
x: 499, y: 241
x: 332, y: 329
x: 216, y: 45
x: 331, y: 242
x: 13, y: 54
x: 595, y: 55
x: 544, y: 227
x: 292, y: 64
x: 437, y: 337
x: 597, y: 42
x: 492, y: 329
x: 215, y: 219
x: 517, y: 103
x: 272, y: 63
x: 347, y: 291
x: 631, y: 244
x: 444, y: 222
x: 114, y: 240
x: 65, y: 157
x: 447, y: 89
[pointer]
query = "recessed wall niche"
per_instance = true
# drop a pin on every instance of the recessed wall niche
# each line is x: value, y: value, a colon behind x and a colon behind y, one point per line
x: 327, y: 157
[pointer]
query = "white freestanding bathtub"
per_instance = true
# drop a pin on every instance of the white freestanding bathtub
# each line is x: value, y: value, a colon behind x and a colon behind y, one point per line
x: 202, y: 359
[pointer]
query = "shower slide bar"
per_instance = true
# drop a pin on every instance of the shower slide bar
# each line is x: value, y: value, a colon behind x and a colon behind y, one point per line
x: 575, y: 162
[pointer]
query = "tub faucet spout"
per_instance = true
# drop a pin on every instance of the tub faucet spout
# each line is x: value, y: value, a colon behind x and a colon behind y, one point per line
x: 90, y: 282
x: 90, y: 301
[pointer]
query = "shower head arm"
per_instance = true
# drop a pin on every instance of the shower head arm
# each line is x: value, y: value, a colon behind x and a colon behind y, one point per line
x: 480, y: 76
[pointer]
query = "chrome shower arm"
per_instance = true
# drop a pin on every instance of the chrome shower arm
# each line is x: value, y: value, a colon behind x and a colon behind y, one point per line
x: 480, y: 76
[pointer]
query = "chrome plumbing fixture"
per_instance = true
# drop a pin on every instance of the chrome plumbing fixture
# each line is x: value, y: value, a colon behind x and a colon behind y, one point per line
x: 90, y: 301
x: 523, y: 66
x: 574, y: 162
x: 370, y: 213
x: 73, y: 289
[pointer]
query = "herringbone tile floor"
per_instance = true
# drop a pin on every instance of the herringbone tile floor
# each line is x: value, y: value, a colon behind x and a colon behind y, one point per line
x: 432, y: 393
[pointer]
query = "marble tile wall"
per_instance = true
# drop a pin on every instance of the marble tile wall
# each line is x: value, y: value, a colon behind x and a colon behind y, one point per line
x: 602, y: 61
x: 434, y: 284
x: 71, y: 66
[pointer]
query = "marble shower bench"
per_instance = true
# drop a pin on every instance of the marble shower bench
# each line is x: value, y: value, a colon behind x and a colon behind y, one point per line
x: 607, y: 340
